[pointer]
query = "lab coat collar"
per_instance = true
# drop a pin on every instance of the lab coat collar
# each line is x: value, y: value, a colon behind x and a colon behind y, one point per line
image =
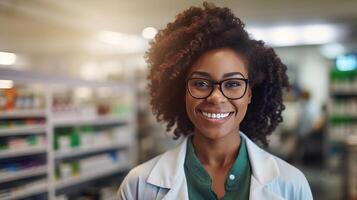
x: 169, y: 171
x: 170, y: 167
x: 264, y: 167
x: 259, y: 191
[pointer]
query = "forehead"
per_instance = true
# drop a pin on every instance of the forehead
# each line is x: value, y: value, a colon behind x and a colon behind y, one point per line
x: 219, y: 62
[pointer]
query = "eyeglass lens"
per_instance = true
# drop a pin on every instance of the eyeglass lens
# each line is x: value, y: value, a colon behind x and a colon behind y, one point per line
x: 231, y: 88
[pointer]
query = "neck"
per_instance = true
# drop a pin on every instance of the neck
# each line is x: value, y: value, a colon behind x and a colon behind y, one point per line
x: 216, y: 152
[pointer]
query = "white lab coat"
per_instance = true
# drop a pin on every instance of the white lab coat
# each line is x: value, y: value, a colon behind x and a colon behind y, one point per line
x: 163, y: 177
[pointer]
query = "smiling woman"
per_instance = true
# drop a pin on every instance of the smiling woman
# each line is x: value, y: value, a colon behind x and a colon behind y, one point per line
x: 222, y: 90
x: 230, y: 100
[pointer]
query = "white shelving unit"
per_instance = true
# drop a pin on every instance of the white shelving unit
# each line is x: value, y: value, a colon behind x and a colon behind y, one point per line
x: 93, y: 121
x: 22, y: 113
x: 95, y: 175
x: 30, y: 172
x: 52, y: 122
x: 28, y: 192
x: 87, y: 150
x: 22, y: 152
x: 25, y: 130
x: 342, y: 137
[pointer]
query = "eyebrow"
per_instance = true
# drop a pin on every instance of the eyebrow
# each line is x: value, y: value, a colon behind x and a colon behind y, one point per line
x: 205, y: 74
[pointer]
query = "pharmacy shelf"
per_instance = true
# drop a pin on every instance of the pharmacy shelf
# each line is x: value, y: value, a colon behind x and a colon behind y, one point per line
x: 343, y: 115
x: 342, y: 137
x: 98, y: 174
x: 22, y: 114
x: 344, y: 94
x: 31, y: 172
x: 28, y: 192
x: 53, y: 120
x: 49, y: 79
x: 23, y: 130
x: 22, y: 152
x: 102, y: 120
x: 87, y: 150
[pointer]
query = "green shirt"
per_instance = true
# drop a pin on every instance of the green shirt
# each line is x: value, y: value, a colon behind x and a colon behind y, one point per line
x: 199, y: 182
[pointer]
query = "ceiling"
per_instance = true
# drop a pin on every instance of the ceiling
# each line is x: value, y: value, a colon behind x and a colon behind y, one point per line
x: 39, y: 27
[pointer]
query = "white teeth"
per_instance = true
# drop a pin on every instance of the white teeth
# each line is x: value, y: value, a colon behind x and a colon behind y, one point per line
x: 215, y: 115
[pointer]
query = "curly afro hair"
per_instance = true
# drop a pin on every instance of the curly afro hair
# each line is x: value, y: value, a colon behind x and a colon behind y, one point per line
x: 194, y: 32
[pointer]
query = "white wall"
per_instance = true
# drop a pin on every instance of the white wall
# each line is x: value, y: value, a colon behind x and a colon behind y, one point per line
x: 312, y: 71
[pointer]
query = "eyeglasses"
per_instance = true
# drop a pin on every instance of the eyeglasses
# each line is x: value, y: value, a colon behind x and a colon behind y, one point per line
x: 233, y: 88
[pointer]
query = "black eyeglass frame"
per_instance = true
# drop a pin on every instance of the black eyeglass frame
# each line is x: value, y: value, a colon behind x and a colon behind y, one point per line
x: 219, y: 83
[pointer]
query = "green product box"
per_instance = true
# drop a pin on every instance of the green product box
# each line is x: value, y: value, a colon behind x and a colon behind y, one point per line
x: 75, y: 139
x: 3, y: 146
x: 75, y: 168
x: 32, y: 140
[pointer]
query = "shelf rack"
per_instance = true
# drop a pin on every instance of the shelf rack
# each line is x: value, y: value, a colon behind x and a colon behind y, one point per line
x: 50, y: 82
x: 22, y: 152
x: 27, y: 193
x: 87, y: 150
x: 24, y: 130
x: 33, y: 171
x: 100, y: 120
x: 22, y: 114
x: 342, y: 145
x: 101, y: 173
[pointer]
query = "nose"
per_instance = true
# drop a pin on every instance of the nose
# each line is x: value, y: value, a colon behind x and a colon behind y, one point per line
x: 216, y: 96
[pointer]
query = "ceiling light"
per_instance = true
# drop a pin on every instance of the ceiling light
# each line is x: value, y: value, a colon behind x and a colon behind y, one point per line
x: 346, y: 63
x: 318, y: 34
x: 149, y: 32
x: 283, y: 36
x: 6, y: 84
x: 296, y: 35
x: 331, y: 51
x: 113, y: 38
x: 120, y: 42
x: 7, y: 58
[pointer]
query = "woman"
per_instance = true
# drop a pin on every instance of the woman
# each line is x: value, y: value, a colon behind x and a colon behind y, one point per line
x: 221, y: 90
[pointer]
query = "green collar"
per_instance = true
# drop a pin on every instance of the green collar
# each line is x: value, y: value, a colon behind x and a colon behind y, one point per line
x: 199, y: 182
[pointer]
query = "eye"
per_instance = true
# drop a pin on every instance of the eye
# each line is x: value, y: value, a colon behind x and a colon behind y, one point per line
x: 233, y: 84
x: 201, y: 83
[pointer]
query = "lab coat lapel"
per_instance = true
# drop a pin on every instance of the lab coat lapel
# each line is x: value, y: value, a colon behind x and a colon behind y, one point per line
x: 264, y: 167
x: 178, y: 191
x: 169, y: 173
x: 258, y: 191
x: 264, y: 171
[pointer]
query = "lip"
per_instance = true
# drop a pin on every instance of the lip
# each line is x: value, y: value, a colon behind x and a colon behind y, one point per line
x: 219, y: 121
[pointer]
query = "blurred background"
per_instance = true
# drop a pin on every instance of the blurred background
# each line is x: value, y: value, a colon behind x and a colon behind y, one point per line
x: 74, y: 109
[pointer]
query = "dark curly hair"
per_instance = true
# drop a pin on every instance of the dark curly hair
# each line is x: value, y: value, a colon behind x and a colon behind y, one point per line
x: 194, y: 32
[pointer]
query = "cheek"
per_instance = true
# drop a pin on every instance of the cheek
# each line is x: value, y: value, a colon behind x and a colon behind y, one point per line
x: 242, y: 107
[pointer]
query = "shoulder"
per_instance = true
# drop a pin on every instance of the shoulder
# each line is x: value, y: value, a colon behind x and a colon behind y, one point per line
x: 291, y: 181
x: 143, y: 170
x: 279, y: 176
x: 154, y: 177
x: 135, y: 180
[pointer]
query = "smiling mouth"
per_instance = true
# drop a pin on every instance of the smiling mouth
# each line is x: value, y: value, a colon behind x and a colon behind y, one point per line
x: 216, y: 116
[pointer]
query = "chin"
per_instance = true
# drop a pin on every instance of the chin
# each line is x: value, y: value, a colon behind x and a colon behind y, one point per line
x: 214, y: 134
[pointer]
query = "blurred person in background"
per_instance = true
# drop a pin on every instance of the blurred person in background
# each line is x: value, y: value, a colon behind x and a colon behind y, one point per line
x: 307, y: 114
x: 222, y: 91
x: 313, y: 142
x: 307, y: 128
